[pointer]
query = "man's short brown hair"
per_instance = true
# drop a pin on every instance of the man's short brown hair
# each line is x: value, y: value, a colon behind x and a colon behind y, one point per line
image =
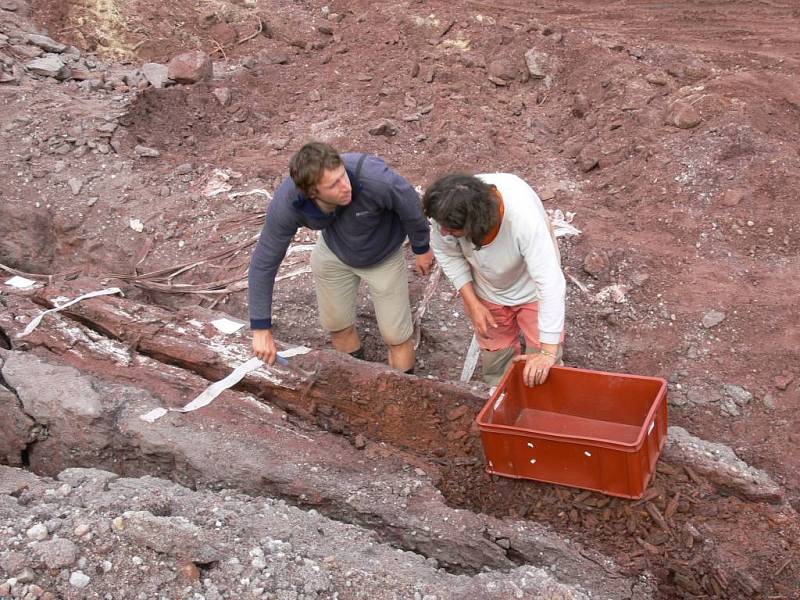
x: 310, y: 162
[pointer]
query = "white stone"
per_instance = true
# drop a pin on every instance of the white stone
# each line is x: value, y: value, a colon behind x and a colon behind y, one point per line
x: 79, y: 579
x: 37, y: 532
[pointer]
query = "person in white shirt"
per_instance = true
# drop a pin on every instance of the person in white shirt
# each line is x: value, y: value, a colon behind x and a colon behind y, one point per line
x: 495, y: 244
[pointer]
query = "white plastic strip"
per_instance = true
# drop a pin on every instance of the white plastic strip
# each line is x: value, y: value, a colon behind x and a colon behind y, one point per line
x: 227, y: 325
x: 295, y: 273
x: 38, y: 319
x: 471, y: 360
x: 248, y: 193
x: 20, y: 282
x: 296, y: 351
x: 210, y: 393
x: 215, y: 389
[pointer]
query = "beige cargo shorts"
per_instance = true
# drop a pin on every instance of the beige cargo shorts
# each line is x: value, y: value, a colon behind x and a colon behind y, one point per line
x: 337, y: 293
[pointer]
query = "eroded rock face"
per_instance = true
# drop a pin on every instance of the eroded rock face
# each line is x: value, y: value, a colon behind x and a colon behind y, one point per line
x: 720, y: 465
x: 15, y: 428
x: 27, y: 237
x: 64, y: 406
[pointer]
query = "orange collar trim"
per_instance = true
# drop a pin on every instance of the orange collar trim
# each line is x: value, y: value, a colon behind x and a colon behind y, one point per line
x: 496, y: 229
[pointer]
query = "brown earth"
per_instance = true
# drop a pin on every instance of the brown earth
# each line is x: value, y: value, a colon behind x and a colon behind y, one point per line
x: 669, y: 129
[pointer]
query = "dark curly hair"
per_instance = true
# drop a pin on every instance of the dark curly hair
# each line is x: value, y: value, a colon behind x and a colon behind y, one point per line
x: 310, y: 162
x: 460, y: 201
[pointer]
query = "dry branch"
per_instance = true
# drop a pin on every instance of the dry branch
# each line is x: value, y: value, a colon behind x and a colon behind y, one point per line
x: 422, y: 307
x: 251, y: 36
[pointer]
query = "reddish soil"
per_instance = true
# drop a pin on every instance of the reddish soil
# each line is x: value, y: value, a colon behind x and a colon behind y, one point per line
x: 689, y: 220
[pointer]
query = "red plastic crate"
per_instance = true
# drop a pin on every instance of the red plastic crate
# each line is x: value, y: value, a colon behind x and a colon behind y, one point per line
x: 586, y: 429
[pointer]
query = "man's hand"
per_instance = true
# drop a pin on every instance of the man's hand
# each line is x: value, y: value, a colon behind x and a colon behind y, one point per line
x: 537, y: 367
x: 264, y: 346
x: 424, y: 262
x: 481, y: 317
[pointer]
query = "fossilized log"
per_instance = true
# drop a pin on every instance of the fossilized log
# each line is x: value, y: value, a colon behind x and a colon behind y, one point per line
x: 348, y: 396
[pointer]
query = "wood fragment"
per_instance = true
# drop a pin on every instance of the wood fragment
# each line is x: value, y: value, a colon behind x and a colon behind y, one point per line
x: 447, y: 28
x: 602, y: 502
x: 692, y: 475
x: 783, y: 566
x: 688, y: 583
x: 422, y: 307
x: 672, y: 506
x: 649, y: 495
x: 631, y: 524
x: 666, y: 468
x: 647, y: 546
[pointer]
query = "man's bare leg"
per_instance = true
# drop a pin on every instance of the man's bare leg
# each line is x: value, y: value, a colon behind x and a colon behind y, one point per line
x: 346, y: 340
x: 401, y: 356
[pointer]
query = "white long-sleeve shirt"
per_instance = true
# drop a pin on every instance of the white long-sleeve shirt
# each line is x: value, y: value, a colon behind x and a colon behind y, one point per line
x: 521, y: 265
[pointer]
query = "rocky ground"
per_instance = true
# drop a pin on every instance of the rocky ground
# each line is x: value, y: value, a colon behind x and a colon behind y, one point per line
x: 668, y: 130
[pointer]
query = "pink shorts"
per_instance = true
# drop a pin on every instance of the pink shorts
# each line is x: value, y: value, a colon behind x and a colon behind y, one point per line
x: 510, y: 321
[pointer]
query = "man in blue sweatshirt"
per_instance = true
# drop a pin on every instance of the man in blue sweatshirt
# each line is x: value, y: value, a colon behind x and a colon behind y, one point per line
x: 365, y: 211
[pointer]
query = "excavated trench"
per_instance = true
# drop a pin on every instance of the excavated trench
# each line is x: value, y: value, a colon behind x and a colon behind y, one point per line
x: 428, y: 423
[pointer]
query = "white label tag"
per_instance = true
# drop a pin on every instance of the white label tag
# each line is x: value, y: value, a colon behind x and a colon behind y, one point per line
x: 20, y: 282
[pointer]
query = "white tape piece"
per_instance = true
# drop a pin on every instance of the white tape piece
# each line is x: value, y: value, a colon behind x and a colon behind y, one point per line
x: 210, y: 393
x: 227, y: 326
x: 295, y: 273
x: 499, y: 401
x: 20, y: 282
x: 154, y: 414
x: 38, y: 319
x: 250, y: 192
x: 296, y: 351
x: 215, y: 389
x: 471, y: 360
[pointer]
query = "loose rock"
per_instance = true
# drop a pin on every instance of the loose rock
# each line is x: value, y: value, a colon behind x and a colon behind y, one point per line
x: 738, y: 394
x: 37, y: 532
x: 733, y: 197
x: 502, y: 71
x: 683, y: 116
x: 45, y: 43
x: 146, y: 152
x: 223, y: 95
x: 384, y: 127
x: 595, y: 263
x: 49, y: 66
x: 538, y: 63
x: 75, y: 185
x: 190, y: 67
x: 712, y: 318
x: 79, y: 579
x: 157, y: 74
x: 57, y: 553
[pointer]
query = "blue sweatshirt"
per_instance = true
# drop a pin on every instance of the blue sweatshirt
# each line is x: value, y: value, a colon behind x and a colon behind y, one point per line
x: 384, y: 209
